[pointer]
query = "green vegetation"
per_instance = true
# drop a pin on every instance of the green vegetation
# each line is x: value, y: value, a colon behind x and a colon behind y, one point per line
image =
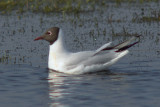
x: 43, y: 5
x: 5, y: 58
x: 149, y: 19
x: 47, y: 6
x: 153, y: 16
x: 124, y: 32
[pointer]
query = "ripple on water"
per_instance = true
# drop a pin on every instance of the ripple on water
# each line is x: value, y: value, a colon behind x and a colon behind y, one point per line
x: 133, y: 81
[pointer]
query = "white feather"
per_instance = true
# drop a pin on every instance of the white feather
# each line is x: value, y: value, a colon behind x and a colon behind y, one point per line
x: 81, y: 62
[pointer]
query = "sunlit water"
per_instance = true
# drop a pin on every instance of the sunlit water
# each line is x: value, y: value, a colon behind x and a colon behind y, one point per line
x: 134, y: 81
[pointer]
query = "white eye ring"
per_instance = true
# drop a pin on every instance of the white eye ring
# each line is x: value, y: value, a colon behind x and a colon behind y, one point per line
x: 49, y: 33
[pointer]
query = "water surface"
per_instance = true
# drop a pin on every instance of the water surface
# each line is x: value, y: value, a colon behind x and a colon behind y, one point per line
x: 25, y: 80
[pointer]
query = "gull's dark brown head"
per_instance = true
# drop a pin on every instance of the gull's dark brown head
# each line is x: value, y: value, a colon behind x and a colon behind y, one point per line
x: 51, y: 35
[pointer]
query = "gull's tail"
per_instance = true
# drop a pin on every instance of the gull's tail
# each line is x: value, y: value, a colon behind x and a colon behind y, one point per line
x: 120, y: 47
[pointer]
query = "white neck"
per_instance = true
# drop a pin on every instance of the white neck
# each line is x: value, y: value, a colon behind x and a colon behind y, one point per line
x: 57, y: 51
x: 58, y: 46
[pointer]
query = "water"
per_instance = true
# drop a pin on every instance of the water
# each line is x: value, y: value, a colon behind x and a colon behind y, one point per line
x: 25, y: 80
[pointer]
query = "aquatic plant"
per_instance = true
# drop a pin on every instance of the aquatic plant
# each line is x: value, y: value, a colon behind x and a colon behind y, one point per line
x: 5, y: 57
x: 153, y: 16
x: 48, y: 6
x: 41, y: 6
x: 124, y: 33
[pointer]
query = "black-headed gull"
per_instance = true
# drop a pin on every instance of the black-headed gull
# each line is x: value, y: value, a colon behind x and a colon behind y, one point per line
x: 60, y: 59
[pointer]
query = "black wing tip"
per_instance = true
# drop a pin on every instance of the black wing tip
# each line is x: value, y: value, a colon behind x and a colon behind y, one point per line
x: 128, y: 46
x: 122, y: 48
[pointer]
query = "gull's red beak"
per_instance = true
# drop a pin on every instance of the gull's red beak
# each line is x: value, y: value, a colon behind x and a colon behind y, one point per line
x: 38, y: 38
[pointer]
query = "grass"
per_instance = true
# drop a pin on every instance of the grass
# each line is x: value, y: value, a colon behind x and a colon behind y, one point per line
x: 45, y: 6
x: 5, y: 58
x: 149, y: 19
x: 48, y: 6
x: 124, y: 32
x: 154, y: 16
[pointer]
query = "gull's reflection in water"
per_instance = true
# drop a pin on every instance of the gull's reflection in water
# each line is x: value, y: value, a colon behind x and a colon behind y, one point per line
x: 60, y: 86
x: 56, y: 82
x: 65, y: 88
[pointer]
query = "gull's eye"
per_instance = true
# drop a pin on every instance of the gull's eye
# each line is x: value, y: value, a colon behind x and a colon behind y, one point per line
x: 49, y: 33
